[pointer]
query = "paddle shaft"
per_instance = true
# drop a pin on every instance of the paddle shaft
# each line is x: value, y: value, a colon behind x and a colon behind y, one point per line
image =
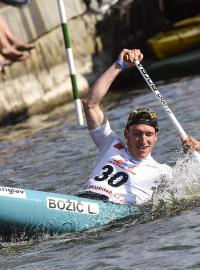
x: 163, y: 102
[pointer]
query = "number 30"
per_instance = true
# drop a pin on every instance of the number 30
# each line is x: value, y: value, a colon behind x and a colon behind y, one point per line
x: 116, y: 180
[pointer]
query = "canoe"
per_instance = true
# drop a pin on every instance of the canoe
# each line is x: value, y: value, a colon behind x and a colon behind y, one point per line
x: 181, y: 39
x: 26, y: 210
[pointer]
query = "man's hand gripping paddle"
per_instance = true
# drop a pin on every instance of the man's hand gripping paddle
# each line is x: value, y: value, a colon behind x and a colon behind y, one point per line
x: 162, y: 101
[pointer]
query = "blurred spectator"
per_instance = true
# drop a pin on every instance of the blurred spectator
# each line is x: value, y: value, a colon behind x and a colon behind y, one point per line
x: 100, y: 6
x: 16, y: 3
x: 11, y: 49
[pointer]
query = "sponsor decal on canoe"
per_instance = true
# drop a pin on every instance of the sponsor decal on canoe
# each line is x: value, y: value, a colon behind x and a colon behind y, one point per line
x: 72, y: 206
x: 13, y: 192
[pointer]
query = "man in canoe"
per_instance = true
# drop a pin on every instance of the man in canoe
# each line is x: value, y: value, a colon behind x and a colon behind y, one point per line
x: 123, y: 174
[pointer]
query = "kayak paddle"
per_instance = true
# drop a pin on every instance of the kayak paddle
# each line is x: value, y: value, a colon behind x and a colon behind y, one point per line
x: 163, y: 103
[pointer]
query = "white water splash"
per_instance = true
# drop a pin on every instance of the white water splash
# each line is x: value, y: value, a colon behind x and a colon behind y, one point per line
x: 186, y: 177
x: 184, y: 184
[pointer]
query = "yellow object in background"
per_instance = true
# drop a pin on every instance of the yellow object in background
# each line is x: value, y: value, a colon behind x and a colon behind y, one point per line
x: 177, y: 40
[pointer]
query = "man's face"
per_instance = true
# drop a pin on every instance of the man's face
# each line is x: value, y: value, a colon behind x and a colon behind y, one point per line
x: 140, y: 140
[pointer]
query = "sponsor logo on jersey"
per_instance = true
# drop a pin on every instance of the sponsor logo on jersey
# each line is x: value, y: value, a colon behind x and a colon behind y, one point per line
x: 124, y: 164
x: 119, y: 146
x: 99, y: 188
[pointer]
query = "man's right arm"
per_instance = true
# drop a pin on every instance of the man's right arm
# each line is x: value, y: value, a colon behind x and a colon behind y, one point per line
x: 94, y: 114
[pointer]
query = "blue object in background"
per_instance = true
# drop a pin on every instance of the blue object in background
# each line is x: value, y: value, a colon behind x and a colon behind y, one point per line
x: 16, y: 3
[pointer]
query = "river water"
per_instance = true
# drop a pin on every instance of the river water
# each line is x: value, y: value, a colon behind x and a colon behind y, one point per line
x: 48, y: 152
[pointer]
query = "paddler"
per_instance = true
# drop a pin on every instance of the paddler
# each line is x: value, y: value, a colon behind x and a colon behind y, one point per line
x: 124, y: 174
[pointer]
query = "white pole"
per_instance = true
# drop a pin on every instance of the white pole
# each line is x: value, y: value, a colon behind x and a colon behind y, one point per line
x: 70, y: 60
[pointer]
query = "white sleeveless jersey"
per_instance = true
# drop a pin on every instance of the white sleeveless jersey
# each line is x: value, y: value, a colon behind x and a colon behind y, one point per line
x: 120, y: 177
